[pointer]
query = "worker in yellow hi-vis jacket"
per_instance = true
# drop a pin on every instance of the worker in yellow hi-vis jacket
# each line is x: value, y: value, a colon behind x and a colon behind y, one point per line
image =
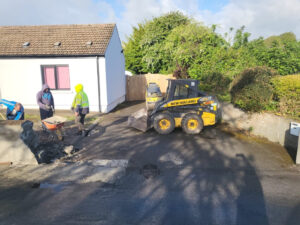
x: 80, y: 106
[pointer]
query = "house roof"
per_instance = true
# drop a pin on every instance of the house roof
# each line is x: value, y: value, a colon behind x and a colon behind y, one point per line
x: 55, y: 40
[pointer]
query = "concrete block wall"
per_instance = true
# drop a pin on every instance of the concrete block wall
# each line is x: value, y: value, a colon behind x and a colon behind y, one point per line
x: 270, y: 126
x: 12, y: 148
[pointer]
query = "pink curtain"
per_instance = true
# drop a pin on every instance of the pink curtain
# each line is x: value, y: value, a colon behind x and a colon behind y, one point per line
x: 63, y: 77
x: 49, y: 76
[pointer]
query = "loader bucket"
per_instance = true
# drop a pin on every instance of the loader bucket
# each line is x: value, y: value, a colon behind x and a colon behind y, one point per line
x: 140, y: 120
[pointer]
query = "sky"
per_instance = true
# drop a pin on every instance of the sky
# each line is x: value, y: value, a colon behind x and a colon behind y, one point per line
x: 261, y: 17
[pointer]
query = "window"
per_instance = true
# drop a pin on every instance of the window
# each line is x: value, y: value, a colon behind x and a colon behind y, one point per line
x: 181, y: 92
x: 56, y: 76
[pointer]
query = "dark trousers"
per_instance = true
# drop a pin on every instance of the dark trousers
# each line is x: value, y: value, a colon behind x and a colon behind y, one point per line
x: 82, y: 117
x: 79, y: 120
x: 45, y: 114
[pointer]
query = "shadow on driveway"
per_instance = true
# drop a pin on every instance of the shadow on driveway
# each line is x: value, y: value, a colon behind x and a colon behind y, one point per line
x: 198, y: 181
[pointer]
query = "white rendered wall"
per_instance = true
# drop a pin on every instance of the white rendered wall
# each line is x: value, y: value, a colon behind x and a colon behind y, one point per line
x: 21, y: 79
x: 103, y: 85
x: 114, y: 64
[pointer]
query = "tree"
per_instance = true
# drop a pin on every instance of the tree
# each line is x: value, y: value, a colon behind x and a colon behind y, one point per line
x: 133, y: 50
x: 192, y: 49
x: 174, y: 43
x: 278, y: 52
x: 144, y: 49
x: 241, y: 38
x: 280, y: 39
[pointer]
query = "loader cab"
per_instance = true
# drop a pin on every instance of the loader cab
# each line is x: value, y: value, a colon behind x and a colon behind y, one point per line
x: 182, y: 89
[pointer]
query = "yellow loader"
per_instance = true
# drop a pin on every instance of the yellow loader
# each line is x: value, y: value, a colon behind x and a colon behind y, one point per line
x: 184, y: 105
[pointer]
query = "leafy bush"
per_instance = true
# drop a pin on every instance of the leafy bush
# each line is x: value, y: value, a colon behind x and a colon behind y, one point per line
x: 287, y: 92
x: 215, y: 83
x: 251, y: 90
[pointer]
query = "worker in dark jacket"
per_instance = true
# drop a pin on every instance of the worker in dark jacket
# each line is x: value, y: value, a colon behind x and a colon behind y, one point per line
x: 80, y: 106
x: 15, y: 110
x: 45, y: 101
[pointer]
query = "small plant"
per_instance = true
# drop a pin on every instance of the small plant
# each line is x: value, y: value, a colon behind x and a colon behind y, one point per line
x: 224, y: 97
x: 250, y: 129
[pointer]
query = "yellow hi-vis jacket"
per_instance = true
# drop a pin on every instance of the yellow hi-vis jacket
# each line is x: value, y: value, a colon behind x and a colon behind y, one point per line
x: 80, y: 102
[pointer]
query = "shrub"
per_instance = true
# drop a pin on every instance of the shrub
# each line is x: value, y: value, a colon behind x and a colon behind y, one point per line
x: 251, y: 90
x: 215, y: 83
x: 287, y: 92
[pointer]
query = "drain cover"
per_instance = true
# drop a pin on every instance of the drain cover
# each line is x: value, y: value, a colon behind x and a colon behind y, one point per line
x: 150, y: 171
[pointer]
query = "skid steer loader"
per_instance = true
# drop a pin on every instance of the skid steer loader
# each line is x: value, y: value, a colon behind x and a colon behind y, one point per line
x: 184, y: 105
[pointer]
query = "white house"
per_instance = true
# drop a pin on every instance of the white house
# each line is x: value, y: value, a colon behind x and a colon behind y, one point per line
x: 62, y: 56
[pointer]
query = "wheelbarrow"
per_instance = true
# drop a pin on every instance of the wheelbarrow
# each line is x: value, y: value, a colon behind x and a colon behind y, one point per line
x: 54, y: 126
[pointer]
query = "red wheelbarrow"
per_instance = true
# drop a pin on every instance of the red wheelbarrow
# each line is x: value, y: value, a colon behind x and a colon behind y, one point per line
x: 54, y: 126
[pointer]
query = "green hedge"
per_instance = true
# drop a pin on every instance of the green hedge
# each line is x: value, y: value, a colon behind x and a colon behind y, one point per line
x: 252, y: 90
x: 287, y: 93
x: 215, y: 82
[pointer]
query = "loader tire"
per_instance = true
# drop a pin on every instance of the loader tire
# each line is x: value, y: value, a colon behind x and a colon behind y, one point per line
x: 164, y: 123
x: 192, y: 124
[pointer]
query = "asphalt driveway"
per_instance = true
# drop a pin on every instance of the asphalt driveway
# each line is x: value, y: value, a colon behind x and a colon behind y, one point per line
x: 212, y: 178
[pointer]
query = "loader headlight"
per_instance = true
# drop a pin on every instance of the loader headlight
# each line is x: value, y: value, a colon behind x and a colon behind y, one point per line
x: 214, y: 106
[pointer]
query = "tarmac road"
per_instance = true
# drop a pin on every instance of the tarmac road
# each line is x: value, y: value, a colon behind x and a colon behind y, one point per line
x: 211, y: 178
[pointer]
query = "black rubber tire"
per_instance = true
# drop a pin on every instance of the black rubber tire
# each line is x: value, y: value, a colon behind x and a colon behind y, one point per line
x: 162, y: 116
x: 185, y: 121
